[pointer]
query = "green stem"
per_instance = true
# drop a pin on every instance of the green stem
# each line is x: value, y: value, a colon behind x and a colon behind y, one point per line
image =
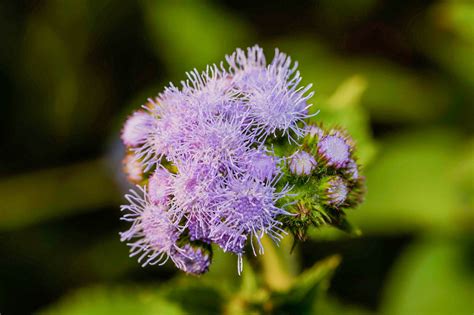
x: 275, y: 270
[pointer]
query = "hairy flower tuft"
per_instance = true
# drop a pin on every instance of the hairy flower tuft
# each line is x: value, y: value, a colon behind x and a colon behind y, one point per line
x: 136, y: 128
x: 152, y: 236
x: 193, y: 260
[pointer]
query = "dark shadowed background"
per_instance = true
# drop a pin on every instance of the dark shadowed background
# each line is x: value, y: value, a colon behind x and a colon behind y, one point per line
x: 71, y: 72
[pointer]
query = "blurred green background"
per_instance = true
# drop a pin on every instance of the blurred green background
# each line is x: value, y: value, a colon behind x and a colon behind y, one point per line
x: 398, y: 74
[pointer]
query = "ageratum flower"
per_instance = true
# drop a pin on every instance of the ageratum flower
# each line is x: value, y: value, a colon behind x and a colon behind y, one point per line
x: 159, y: 186
x: 193, y: 260
x: 136, y: 128
x: 212, y: 174
x: 246, y: 206
x: 263, y: 165
x: 152, y: 235
x: 352, y: 170
x: 313, y: 131
x: 275, y: 99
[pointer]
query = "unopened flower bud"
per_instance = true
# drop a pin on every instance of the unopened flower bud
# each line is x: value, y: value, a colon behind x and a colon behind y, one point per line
x: 352, y: 170
x: 334, y: 150
x: 302, y: 163
x: 333, y: 191
x: 133, y: 168
x: 314, y: 131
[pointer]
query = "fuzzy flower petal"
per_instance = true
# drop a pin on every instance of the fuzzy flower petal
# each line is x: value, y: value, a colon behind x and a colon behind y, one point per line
x: 192, y: 260
x: 152, y: 236
x: 136, y: 128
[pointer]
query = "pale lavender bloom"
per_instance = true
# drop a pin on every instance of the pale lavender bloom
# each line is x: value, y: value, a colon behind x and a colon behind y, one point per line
x: 199, y: 229
x: 247, y: 207
x: 334, y: 150
x: 218, y: 142
x: 192, y: 260
x: 262, y: 165
x: 172, y: 124
x: 229, y: 239
x: 275, y: 99
x: 153, y: 234
x: 213, y: 88
x: 302, y: 163
x: 159, y: 186
x: 136, y: 128
x: 194, y: 198
x: 336, y: 191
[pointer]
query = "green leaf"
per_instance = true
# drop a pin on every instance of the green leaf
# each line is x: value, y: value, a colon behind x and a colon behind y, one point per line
x: 411, y: 185
x: 115, y: 301
x: 38, y: 196
x: 394, y: 94
x: 195, y: 295
x: 307, y: 287
x: 432, y: 277
x: 191, y: 34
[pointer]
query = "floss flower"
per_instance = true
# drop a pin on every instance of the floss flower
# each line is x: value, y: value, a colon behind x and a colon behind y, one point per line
x: 136, y: 127
x: 209, y: 158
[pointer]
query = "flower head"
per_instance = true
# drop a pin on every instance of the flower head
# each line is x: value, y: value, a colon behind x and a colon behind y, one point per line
x: 352, y: 170
x: 262, y: 165
x: 136, y: 128
x: 193, y: 259
x: 247, y: 206
x: 275, y: 100
x: 152, y: 235
x: 313, y: 131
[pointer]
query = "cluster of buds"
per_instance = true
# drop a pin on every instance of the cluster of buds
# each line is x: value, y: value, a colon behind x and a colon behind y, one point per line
x: 326, y: 180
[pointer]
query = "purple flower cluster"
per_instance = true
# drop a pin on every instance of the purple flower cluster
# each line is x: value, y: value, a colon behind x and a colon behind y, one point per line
x: 207, y: 174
